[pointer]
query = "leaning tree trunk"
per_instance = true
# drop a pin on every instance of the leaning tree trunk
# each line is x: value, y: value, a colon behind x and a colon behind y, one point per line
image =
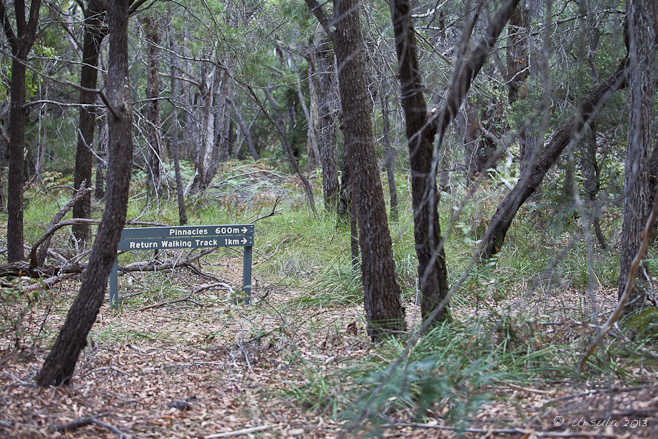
x: 493, y: 239
x: 381, y: 290
x: 421, y: 130
x: 94, y: 32
x: 60, y: 364
x: 20, y: 43
x: 638, y: 197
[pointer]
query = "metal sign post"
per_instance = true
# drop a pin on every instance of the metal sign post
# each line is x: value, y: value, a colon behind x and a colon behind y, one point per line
x: 164, y: 238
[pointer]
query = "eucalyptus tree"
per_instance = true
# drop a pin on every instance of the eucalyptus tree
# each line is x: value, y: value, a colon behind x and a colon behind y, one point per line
x: 153, y: 23
x: 21, y: 36
x: 381, y: 290
x: 422, y: 128
x: 573, y: 124
x: 95, y: 30
x: 638, y: 192
x: 59, y: 366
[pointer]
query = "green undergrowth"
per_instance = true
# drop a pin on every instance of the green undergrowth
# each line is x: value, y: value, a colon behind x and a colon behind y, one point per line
x: 449, y: 372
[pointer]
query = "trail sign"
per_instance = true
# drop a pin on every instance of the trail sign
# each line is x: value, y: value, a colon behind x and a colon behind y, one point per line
x: 155, y: 238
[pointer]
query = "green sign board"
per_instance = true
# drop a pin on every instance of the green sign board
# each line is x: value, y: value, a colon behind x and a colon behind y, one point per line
x: 163, y: 238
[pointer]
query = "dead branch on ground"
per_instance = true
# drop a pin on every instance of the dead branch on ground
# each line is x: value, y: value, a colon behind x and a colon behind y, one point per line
x: 188, y: 298
x: 89, y: 420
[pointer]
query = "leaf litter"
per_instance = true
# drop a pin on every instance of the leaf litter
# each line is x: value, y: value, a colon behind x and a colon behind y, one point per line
x: 228, y: 370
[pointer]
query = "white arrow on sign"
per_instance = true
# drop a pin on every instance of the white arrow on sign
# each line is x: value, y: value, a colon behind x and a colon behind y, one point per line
x: 244, y: 240
x: 244, y: 230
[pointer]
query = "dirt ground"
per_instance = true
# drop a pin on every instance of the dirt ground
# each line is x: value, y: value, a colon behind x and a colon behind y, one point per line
x: 230, y: 370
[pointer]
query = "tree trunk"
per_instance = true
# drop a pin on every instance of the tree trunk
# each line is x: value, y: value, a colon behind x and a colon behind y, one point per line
x: 327, y: 106
x: 390, y: 158
x: 204, y: 153
x: 175, y: 145
x: 20, y: 43
x: 312, y: 149
x: 517, y: 54
x: 222, y: 122
x: 493, y: 239
x: 638, y: 197
x: 381, y: 290
x: 421, y: 130
x: 99, y: 189
x: 60, y: 364
x: 16, y: 163
x: 592, y: 183
x: 245, y: 132
x: 156, y: 155
x: 94, y: 32
x: 278, y: 123
x: 432, y: 272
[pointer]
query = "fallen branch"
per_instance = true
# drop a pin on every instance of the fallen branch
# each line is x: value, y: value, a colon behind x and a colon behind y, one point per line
x: 188, y: 297
x: 241, y: 432
x: 616, y: 314
x: 40, y: 250
x: 83, y: 422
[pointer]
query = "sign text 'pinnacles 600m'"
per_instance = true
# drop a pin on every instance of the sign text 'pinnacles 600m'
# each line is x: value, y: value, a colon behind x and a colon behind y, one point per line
x: 156, y: 238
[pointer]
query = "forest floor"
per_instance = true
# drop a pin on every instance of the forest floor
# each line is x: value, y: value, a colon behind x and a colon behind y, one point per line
x: 239, y: 370
x: 211, y: 367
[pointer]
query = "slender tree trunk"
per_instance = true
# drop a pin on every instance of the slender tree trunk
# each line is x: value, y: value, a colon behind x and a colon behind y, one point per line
x: 381, y: 290
x: 60, y: 363
x: 175, y: 145
x: 517, y: 54
x: 204, y: 153
x: 432, y: 272
x: 223, y: 119
x: 245, y: 131
x: 21, y: 43
x: 493, y: 239
x: 99, y: 189
x: 156, y: 156
x: 638, y: 197
x: 312, y: 149
x: 16, y: 176
x: 94, y: 32
x: 327, y: 109
x: 278, y: 123
x: 592, y: 183
x: 421, y: 130
x: 390, y: 158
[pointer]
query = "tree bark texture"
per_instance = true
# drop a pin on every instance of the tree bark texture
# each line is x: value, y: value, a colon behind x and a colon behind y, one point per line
x: 95, y: 30
x: 432, y: 272
x: 175, y: 145
x: 327, y: 116
x: 156, y: 156
x: 389, y: 159
x: 312, y: 149
x: 493, y: 239
x: 245, y: 132
x: 20, y: 42
x: 60, y: 364
x: 517, y: 54
x: 383, y: 306
x: 638, y: 197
